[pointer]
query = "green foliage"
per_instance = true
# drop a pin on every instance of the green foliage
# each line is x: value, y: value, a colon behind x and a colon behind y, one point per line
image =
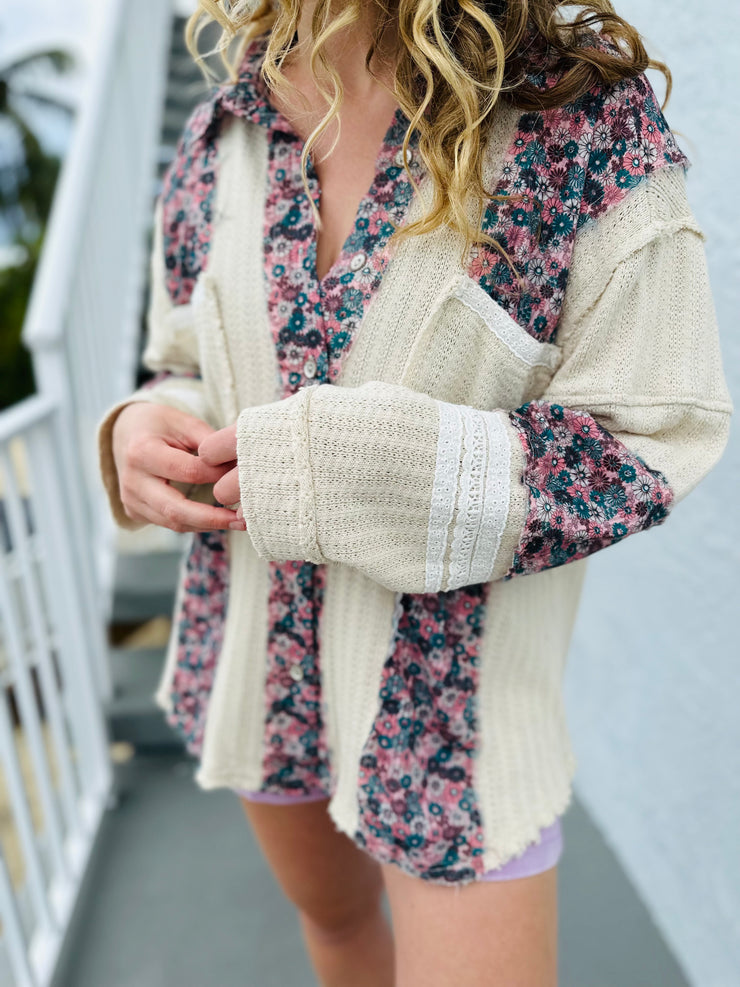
x: 26, y: 194
x: 16, y: 373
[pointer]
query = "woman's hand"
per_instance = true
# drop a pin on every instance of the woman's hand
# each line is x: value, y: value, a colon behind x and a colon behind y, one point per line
x: 152, y: 445
x: 219, y: 450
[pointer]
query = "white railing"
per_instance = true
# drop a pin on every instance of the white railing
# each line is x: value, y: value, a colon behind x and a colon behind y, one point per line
x: 56, y: 773
x: 57, y: 541
x: 84, y: 318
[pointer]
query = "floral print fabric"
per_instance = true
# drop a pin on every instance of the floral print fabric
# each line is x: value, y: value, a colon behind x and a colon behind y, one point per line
x: 565, y: 166
x: 295, y: 757
x: 418, y: 804
x: 199, y: 631
x: 187, y: 203
x: 587, y: 490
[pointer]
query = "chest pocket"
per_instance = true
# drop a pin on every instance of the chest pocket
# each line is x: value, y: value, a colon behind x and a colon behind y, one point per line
x: 470, y: 351
x: 215, y: 362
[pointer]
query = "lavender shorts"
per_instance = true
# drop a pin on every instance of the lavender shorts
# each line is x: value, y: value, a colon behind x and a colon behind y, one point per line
x: 538, y: 857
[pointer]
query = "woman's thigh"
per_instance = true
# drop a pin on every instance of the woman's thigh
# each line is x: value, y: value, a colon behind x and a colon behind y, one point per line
x: 328, y: 878
x: 497, y: 934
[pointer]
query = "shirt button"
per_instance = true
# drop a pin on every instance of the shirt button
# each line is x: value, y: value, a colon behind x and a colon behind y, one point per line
x: 309, y: 367
x: 358, y: 261
x: 398, y: 159
x: 296, y: 673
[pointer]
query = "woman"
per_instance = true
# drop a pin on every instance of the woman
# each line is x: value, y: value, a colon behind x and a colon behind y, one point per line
x: 430, y: 313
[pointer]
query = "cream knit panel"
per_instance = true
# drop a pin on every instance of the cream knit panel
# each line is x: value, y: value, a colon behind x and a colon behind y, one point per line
x: 163, y: 692
x: 240, y: 365
x: 640, y: 352
x: 356, y: 631
x: 524, y: 765
x: 232, y: 740
x: 235, y: 274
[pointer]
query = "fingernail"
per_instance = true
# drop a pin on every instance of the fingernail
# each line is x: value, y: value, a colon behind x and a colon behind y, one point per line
x: 237, y: 525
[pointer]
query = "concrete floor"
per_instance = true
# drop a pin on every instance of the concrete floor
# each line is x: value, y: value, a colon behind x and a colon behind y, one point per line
x: 178, y: 896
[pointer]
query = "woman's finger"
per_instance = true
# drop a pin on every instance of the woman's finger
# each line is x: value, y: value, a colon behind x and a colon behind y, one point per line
x: 156, y: 457
x: 168, y: 507
x: 226, y: 491
x: 219, y: 447
x: 187, y: 430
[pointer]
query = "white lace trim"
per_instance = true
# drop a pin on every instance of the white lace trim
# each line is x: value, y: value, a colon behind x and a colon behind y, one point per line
x: 444, y: 493
x: 470, y: 503
x: 472, y: 485
x: 530, y: 350
x: 496, y: 498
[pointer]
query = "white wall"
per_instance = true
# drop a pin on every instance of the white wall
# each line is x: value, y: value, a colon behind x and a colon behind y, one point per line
x: 653, y: 683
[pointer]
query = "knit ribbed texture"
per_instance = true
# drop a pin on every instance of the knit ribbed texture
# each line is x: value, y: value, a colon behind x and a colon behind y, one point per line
x: 370, y: 477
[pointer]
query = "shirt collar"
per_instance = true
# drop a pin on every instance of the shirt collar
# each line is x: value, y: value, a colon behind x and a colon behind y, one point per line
x: 245, y: 98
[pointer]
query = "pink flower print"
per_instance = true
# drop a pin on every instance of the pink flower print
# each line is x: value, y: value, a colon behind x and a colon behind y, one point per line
x: 612, y: 195
x: 481, y: 265
x: 584, y: 424
x: 650, y: 132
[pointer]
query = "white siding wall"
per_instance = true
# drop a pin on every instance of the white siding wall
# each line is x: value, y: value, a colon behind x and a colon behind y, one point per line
x: 653, y: 683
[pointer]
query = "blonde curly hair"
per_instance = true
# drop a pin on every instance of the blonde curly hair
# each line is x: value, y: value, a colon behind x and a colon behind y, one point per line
x: 455, y: 61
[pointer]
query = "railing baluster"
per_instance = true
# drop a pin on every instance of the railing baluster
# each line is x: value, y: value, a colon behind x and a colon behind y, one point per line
x: 47, y: 673
x: 24, y: 691
x: 67, y: 613
x: 13, y: 935
x: 24, y: 822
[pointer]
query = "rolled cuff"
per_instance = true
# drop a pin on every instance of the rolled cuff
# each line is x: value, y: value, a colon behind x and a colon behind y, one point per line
x: 275, y: 481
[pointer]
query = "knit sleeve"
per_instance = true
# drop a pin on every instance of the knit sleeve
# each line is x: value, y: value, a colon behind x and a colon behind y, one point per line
x: 423, y: 496
x: 171, y: 354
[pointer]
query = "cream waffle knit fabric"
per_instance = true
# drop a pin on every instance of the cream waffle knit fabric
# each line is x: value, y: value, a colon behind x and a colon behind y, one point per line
x: 407, y: 476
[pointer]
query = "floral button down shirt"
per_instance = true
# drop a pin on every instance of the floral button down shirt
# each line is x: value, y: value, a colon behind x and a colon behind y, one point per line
x: 565, y: 167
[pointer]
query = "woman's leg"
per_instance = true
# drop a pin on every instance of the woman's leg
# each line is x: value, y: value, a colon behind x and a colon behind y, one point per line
x: 336, y: 887
x: 497, y: 934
